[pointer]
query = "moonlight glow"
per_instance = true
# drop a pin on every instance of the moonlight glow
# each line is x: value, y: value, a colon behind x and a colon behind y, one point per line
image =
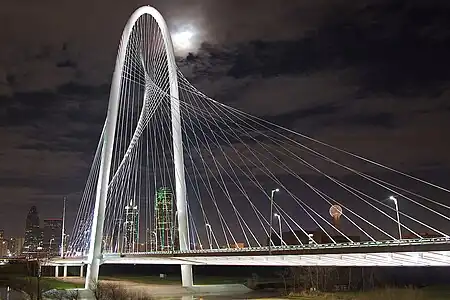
x: 184, y: 40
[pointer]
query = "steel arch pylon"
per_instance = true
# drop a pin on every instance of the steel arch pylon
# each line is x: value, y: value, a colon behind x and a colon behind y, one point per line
x: 95, y: 256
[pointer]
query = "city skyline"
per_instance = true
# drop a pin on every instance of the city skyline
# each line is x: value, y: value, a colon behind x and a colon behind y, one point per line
x: 37, y: 235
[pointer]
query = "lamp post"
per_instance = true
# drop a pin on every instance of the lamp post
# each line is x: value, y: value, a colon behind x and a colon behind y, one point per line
x: 279, y: 224
x: 209, y: 235
x: 272, y: 194
x: 50, y: 245
x: 63, y: 225
x: 38, y: 273
x: 393, y: 199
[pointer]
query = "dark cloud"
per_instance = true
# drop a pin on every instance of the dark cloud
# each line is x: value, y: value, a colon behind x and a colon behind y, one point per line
x: 383, y: 119
x: 396, y: 48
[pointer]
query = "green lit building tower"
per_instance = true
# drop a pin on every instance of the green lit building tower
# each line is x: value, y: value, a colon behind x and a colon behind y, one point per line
x: 166, y: 231
x: 131, y: 228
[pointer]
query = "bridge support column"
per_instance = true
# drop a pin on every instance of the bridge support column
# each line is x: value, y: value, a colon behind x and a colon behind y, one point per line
x: 65, y: 272
x: 56, y: 271
x: 187, y: 278
x: 82, y: 271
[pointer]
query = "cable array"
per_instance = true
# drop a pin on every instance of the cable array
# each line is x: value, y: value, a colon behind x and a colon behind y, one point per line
x: 250, y: 182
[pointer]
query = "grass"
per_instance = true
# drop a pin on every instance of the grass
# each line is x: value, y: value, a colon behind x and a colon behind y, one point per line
x: 54, y: 283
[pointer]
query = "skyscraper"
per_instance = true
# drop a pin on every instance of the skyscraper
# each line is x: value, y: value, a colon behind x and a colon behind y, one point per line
x: 33, y: 233
x: 15, y: 246
x: 131, y: 228
x: 4, y: 248
x: 52, y: 235
x: 3, y: 245
x: 165, y: 230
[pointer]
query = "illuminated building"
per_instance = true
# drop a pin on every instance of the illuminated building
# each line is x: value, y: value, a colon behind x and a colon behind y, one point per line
x: 52, y: 235
x: 131, y: 228
x: 33, y: 233
x: 15, y: 246
x: 4, y: 248
x: 165, y: 228
x: 237, y: 246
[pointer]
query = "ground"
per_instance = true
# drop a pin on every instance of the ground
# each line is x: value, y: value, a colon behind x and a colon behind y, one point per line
x: 157, y: 287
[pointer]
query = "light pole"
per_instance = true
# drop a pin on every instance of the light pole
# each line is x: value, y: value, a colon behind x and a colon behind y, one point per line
x: 393, y: 199
x: 63, y: 225
x: 50, y: 246
x: 209, y: 234
x: 272, y: 194
x: 279, y: 224
x: 38, y: 273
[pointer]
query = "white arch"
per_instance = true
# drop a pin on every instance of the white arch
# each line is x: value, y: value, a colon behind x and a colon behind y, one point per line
x: 94, y: 259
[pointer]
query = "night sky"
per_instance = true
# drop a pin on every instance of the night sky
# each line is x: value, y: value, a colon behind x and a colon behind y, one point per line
x: 371, y: 77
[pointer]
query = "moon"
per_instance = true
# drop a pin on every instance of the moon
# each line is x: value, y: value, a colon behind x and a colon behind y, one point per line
x: 183, y: 40
x: 186, y: 37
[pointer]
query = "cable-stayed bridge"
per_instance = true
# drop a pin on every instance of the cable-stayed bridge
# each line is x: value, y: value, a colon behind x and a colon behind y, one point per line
x: 180, y: 178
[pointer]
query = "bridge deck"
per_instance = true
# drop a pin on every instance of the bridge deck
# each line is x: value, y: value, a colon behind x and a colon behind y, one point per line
x: 432, y: 252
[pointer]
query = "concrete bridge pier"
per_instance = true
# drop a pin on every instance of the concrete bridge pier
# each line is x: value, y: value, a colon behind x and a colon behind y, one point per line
x: 65, y: 270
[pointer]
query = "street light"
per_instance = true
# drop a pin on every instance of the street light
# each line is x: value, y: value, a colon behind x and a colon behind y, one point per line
x: 393, y: 199
x: 38, y: 273
x: 63, y: 228
x: 272, y: 194
x: 209, y: 234
x: 279, y: 224
x: 50, y: 246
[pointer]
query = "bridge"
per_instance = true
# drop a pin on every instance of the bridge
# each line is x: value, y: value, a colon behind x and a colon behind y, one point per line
x: 181, y: 178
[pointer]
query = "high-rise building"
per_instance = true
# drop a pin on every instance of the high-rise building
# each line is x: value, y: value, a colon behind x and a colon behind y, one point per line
x: 4, y: 248
x: 165, y: 230
x: 33, y: 233
x: 131, y: 228
x: 15, y: 246
x: 3, y: 245
x: 52, y: 235
x: 117, y: 238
